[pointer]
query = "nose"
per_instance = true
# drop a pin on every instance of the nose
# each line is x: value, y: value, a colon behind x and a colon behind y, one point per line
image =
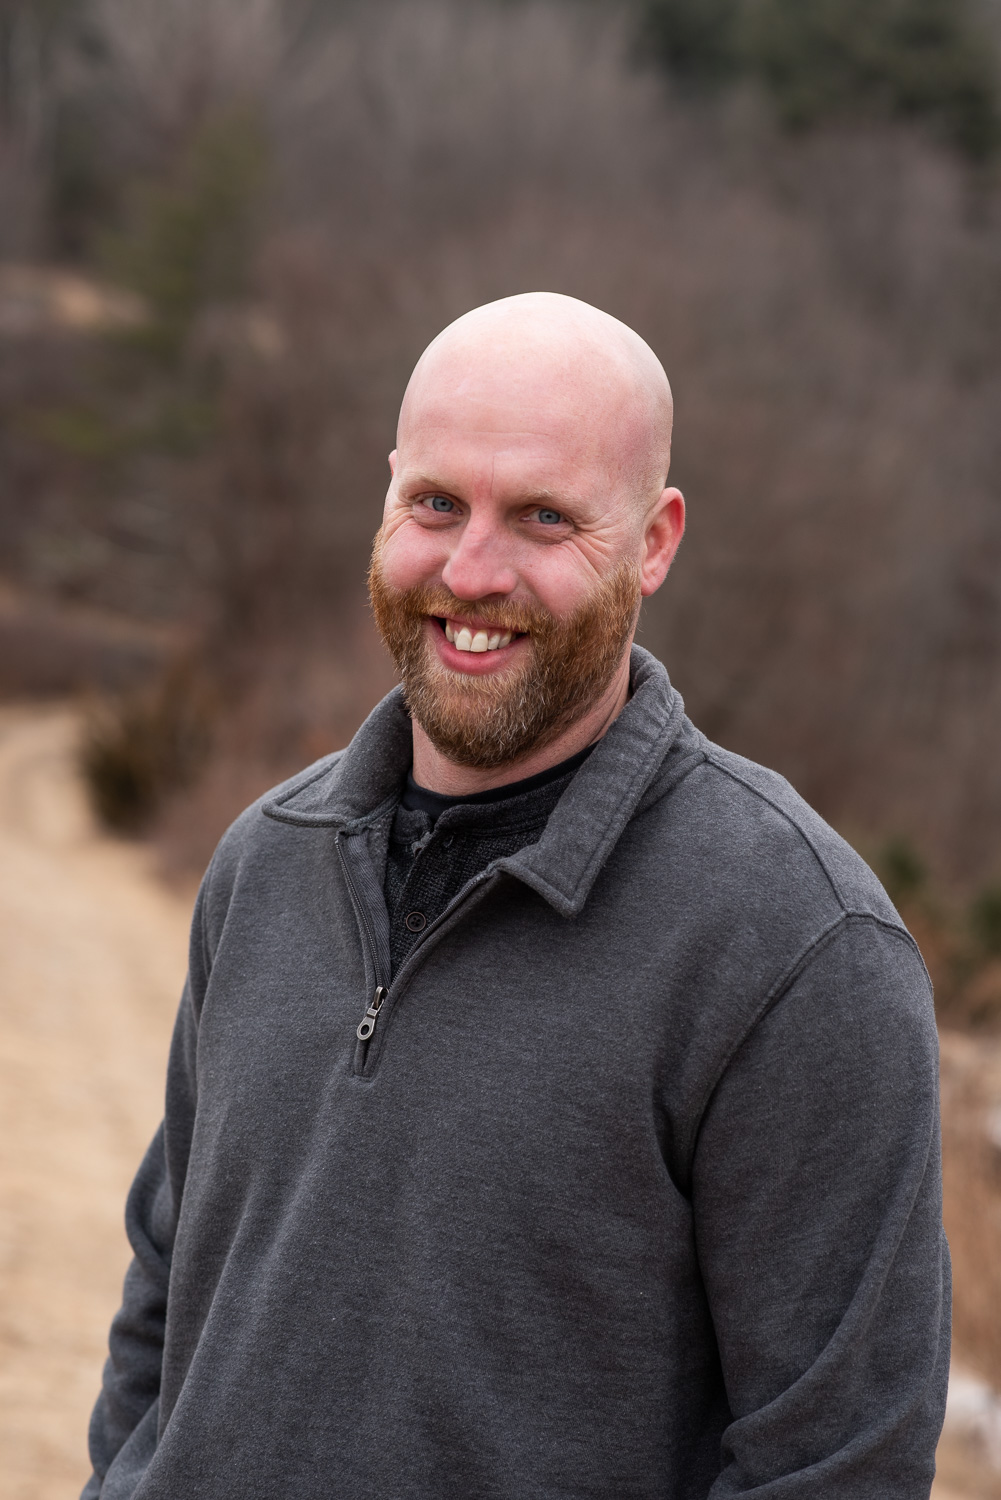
x: 479, y: 563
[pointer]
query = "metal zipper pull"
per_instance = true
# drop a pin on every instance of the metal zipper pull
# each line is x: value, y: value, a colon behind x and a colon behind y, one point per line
x: 366, y: 1025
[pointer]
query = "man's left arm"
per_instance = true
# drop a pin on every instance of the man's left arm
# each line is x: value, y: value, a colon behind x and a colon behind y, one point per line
x: 817, y: 1195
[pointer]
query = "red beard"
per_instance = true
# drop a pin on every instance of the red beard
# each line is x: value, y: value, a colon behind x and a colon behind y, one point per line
x: 491, y: 720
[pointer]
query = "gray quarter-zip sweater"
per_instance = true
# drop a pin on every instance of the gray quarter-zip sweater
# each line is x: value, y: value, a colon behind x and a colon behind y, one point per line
x: 633, y: 1190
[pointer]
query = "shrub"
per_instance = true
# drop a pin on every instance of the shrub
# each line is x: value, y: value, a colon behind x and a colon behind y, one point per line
x: 901, y: 870
x: 985, y: 920
x: 145, y: 745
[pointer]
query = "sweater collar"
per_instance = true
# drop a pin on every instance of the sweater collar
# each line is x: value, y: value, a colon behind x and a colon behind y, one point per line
x: 356, y: 787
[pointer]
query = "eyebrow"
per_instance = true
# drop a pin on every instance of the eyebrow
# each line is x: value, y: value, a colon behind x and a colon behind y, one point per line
x: 551, y: 497
x: 422, y: 482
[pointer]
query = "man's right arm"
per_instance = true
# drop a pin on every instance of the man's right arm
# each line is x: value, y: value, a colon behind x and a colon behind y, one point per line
x: 124, y: 1424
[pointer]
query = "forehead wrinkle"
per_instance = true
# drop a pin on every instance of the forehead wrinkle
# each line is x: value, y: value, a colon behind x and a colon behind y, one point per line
x: 574, y: 438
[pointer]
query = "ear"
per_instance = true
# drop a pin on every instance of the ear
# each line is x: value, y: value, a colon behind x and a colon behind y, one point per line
x: 664, y: 530
x: 392, y: 463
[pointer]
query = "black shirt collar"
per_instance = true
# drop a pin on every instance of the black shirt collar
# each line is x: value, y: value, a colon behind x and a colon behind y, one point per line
x: 419, y: 799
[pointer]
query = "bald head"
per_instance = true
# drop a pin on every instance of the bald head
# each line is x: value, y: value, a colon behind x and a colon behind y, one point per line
x: 542, y: 357
x: 526, y: 518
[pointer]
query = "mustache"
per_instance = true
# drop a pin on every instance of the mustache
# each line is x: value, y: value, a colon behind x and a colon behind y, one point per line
x: 489, y: 721
x: 507, y: 614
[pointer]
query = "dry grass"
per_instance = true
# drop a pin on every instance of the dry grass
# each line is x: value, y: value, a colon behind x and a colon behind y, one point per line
x: 92, y: 953
x: 971, y: 1147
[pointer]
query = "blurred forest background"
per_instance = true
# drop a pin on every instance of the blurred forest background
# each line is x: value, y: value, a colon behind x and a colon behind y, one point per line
x: 228, y: 228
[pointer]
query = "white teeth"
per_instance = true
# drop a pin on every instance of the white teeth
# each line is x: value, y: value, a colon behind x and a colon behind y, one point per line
x: 464, y: 639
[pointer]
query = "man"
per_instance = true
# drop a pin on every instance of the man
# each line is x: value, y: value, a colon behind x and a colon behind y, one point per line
x: 552, y: 1106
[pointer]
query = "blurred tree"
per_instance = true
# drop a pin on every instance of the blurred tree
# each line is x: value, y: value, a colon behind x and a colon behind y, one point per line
x: 928, y: 59
x: 29, y: 34
x: 698, y: 41
x: 82, y: 190
x: 899, y: 58
x: 33, y: 37
x: 190, y: 239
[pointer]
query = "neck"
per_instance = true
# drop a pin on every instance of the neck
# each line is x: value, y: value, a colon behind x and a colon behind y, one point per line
x: 439, y: 774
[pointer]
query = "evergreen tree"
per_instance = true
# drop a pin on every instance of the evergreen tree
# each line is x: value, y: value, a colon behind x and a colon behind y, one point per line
x: 818, y: 59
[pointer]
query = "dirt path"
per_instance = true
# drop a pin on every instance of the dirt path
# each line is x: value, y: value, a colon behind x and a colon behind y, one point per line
x: 92, y: 956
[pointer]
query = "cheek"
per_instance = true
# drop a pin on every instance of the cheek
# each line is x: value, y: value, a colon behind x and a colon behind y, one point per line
x: 411, y: 554
x: 560, y: 578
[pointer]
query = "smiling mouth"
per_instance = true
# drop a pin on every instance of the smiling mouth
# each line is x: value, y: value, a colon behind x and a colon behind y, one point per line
x: 470, y: 638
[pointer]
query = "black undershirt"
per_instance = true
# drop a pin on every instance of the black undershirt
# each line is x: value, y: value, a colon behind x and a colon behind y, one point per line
x: 419, y: 798
x: 438, y: 843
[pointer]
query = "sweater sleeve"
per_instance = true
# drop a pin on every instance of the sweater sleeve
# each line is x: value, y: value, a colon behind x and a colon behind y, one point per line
x: 123, y: 1427
x: 817, y: 1195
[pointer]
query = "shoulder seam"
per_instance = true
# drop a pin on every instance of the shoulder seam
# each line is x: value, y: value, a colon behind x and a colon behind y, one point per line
x: 784, y: 983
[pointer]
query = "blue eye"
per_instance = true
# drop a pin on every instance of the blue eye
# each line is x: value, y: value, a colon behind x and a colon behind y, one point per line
x: 441, y: 503
x: 549, y: 517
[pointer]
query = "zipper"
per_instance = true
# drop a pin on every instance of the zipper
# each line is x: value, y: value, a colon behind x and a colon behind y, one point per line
x: 367, y: 1024
x: 371, y: 949
x: 365, y: 1029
